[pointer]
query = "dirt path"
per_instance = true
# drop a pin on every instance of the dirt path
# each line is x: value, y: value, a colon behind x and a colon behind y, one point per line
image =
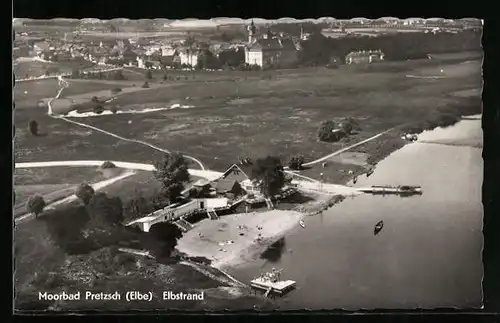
x: 319, y: 160
x: 65, y: 84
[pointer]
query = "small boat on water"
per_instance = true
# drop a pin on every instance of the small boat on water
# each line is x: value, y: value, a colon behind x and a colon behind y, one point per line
x: 378, y: 227
x: 302, y: 223
x: 369, y: 172
x: 387, y: 189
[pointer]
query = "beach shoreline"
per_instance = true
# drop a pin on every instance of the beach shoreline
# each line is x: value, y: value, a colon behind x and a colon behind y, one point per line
x: 236, y: 239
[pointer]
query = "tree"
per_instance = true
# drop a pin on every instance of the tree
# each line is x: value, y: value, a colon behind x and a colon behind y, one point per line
x: 84, y: 192
x: 172, y: 172
x: 107, y: 165
x: 190, y: 41
x: 105, y: 210
x: 138, y: 206
x: 75, y: 73
x: 329, y: 132
x: 349, y: 125
x: 35, y: 204
x: 98, y: 109
x: 116, y: 90
x: 269, y: 173
x: 33, y: 127
x: 296, y: 162
x: 207, y: 60
x: 148, y: 75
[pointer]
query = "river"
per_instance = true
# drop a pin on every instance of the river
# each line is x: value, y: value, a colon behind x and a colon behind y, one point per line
x: 429, y: 253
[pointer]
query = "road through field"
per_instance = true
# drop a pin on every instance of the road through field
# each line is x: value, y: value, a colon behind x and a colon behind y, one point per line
x: 319, y: 160
x: 207, y: 174
x: 97, y: 186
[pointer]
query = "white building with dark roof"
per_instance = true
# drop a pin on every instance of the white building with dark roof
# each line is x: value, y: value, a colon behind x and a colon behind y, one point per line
x: 270, y: 51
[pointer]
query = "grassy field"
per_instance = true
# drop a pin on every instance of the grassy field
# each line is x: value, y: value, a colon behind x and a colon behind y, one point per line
x: 240, y: 113
x: 259, y: 113
x: 27, y: 94
x: 260, y: 116
x: 53, y: 183
x: 56, y: 175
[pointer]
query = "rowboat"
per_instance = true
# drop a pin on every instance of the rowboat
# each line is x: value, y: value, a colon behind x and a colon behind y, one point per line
x: 378, y: 227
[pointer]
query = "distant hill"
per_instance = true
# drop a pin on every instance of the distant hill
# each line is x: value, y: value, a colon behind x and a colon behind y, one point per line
x: 124, y: 24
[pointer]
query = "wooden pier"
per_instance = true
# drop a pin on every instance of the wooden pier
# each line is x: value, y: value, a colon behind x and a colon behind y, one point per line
x: 401, y: 190
x: 280, y: 287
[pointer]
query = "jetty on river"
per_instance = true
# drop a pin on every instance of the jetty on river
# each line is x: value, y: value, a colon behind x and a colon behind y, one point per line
x: 270, y: 283
x: 387, y: 189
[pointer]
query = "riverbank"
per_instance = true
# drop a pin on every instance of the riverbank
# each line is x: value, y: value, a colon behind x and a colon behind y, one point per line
x: 237, y: 238
x: 427, y: 255
x: 342, y: 171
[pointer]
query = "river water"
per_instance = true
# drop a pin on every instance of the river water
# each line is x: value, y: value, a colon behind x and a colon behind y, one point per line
x: 427, y: 255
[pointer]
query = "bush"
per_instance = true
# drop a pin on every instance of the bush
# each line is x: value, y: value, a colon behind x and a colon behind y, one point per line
x: 33, y: 127
x: 98, y: 109
x: 116, y: 90
x: 138, y: 206
x: 85, y: 192
x: 107, y: 164
x: 296, y: 162
x: 35, y: 204
x: 145, y: 85
x: 105, y: 210
x: 349, y: 125
x: 328, y: 132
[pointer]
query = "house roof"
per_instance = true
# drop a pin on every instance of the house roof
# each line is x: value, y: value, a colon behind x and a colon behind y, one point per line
x: 225, y: 185
x: 42, y: 45
x: 234, y: 167
x: 273, y: 44
x: 364, y: 53
x: 169, y: 51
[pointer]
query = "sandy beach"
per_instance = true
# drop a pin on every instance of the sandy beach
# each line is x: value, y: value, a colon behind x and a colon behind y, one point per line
x: 233, y: 240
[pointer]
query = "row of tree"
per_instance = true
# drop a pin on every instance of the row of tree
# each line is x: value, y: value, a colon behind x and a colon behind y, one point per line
x: 116, y: 75
x: 318, y: 49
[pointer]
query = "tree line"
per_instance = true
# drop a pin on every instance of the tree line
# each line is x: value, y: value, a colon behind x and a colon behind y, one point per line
x: 318, y: 49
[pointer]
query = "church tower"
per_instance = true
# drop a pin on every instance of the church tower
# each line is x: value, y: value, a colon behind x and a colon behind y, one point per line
x: 251, y: 32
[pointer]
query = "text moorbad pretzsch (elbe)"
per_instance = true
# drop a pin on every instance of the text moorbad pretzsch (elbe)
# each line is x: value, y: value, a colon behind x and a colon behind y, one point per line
x: 92, y: 296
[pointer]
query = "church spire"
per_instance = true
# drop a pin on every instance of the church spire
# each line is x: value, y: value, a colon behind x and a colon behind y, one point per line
x: 251, y: 32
